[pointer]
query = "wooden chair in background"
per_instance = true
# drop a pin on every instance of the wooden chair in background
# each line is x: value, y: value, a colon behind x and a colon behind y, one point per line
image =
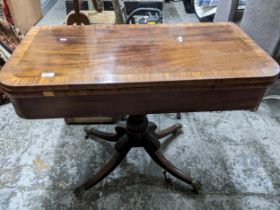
x: 79, y: 17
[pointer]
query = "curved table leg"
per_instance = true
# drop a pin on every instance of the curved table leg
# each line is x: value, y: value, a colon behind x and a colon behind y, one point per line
x: 112, y: 137
x: 138, y: 133
x: 105, y: 171
x: 170, y: 168
x: 171, y: 130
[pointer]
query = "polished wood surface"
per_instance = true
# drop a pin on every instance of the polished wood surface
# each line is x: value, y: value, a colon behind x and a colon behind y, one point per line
x: 136, y: 69
x: 123, y: 55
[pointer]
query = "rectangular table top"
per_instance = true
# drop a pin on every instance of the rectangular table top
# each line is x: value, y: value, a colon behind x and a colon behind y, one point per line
x: 126, y: 56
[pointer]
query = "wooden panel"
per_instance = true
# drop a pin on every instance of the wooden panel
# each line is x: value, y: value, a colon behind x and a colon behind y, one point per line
x: 91, y: 120
x: 25, y: 13
x: 156, y: 101
x: 132, y: 56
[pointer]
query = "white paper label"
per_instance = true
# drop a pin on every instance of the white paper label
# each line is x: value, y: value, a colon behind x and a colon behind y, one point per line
x: 47, y: 74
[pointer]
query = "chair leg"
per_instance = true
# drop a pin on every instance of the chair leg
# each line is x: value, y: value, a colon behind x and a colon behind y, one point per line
x: 171, y: 130
x: 105, y: 171
x: 170, y: 168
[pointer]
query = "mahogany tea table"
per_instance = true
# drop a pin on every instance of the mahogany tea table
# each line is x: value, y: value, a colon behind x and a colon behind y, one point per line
x: 135, y: 70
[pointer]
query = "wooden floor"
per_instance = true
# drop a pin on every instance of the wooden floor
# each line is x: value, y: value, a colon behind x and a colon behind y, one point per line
x: 174, y: 12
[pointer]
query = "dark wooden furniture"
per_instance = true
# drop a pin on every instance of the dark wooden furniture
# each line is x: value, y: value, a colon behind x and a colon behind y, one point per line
x: 78, y: 71
x: 78, y: 17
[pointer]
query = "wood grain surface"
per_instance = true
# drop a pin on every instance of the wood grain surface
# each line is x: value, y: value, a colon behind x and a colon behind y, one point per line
x: 124, y: 55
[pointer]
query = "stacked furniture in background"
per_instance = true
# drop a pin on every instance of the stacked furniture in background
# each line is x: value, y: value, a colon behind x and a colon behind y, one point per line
x: 10, y: 37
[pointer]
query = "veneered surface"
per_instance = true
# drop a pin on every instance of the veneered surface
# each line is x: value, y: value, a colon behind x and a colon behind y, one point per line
x: 127, y: 56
